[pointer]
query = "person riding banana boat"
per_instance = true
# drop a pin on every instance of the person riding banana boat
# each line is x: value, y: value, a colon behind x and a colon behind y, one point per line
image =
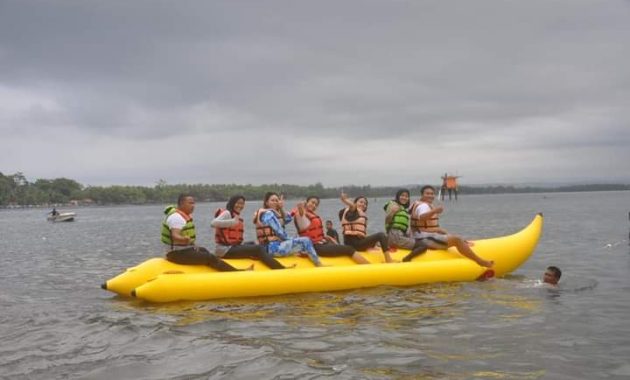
x: 229, y: 231
x: 354, y: 224
x: 270, y: 221
x: 397, y: 225
x: 426, y: 227
x: 309, y: 224
x: 179, y: 236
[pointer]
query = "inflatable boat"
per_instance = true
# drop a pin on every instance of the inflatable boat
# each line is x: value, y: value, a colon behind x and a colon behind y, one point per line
x: 158, y: 280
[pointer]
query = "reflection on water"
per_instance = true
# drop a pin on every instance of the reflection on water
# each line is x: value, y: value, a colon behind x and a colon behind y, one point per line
x: 426, y: 303
x: 391, y: 332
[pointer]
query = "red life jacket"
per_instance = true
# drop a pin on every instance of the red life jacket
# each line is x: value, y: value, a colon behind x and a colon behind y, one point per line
x: 264, y: 233
x: 315, y: 230
x: 229, y: 235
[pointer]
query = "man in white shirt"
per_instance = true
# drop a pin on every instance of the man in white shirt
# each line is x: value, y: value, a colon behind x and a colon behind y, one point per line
x: 425, y: 226
x: 178, y: 235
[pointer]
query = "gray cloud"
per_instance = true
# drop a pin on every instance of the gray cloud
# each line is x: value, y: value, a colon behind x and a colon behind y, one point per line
x: 279, y: 91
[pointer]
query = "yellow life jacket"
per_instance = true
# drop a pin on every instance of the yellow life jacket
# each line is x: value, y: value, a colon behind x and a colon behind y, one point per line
x: 188, y: 229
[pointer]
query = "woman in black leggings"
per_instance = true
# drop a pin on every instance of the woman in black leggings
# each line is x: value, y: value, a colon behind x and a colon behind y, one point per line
x: 200, y: 256
x: 354, y: 223
x: 228, y: 235
x: 310, y: 225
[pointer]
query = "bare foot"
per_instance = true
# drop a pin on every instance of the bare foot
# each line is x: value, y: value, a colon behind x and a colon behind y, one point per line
x: 388, y: 258
x: 485, y: 263
x: 470, y: 243
x: 323, y: 265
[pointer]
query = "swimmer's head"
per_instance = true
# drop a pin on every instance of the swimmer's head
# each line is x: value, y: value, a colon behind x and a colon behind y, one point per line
x: 552, y: 275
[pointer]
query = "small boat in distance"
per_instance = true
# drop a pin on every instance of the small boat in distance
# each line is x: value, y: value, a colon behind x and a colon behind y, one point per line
x: 61, y: 217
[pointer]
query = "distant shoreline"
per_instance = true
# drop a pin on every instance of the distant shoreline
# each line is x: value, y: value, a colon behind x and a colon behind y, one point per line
x: 375, y: 192
x: 16, y: 191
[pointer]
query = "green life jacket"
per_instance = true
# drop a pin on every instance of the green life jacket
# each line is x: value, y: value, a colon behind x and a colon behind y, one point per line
x: 187, y: 230
x: 400, y: 220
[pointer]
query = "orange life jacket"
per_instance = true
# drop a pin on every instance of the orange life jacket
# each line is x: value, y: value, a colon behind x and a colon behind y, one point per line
x: 422, y: 225
x: 186, y: 217
x: 357, y: 227
x: 264, y: 233
x: 229, y: 235
x: 315, y: 230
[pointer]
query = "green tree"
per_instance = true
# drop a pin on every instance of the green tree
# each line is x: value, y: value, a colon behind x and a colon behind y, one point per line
x: 6, y: 188
x: 19, y: 185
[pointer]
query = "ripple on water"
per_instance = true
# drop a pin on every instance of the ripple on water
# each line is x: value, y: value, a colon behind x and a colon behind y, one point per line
x: 57, y: 323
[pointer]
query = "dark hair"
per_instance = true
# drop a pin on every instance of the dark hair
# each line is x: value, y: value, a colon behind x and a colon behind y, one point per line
x: 355, y: 202
x: 364, y: 197
x: 401, y: 192
x: 181, y: 197
x: 397, y: 199
x: 425, y: 188
x: 268, y: 195
x: 312, y: 197
x: 556, y: 271
x: 329, y: 221
x: 232, y: 201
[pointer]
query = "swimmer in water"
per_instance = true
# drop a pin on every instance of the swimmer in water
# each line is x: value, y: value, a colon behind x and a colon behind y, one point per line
x: 552, y: 275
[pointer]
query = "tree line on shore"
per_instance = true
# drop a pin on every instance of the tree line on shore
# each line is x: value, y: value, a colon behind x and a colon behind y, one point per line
x: 16, y: 190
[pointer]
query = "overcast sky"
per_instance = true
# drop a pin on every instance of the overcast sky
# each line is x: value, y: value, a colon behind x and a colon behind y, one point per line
x: 338, y: 92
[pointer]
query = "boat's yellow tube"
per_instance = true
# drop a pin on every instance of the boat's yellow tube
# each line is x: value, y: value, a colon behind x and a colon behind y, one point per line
x: 158, y: 280
x: 207, y: 286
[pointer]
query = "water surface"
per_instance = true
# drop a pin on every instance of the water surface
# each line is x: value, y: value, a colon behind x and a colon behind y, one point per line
x: 57, y: 323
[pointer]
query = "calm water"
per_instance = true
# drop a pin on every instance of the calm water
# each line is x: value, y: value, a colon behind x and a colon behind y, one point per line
x: 56, y: 322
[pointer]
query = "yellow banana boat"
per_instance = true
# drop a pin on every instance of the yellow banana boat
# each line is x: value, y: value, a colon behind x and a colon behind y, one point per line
x: 158, y: 280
